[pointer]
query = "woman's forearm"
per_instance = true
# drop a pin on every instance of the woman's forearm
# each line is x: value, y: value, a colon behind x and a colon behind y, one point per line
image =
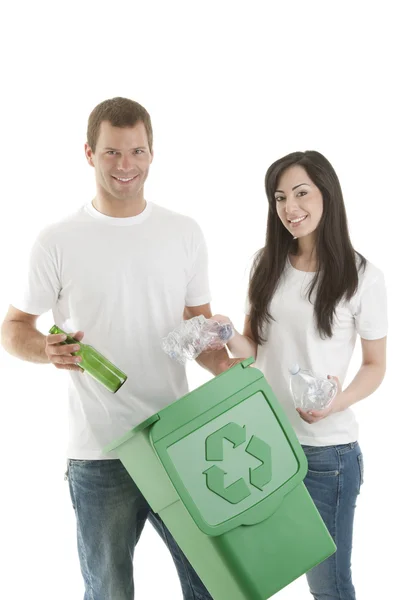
x: 367, y: 380
x: 242, y: 346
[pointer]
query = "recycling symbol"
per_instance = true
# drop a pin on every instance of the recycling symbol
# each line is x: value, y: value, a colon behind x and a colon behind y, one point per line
x: 258, y: 477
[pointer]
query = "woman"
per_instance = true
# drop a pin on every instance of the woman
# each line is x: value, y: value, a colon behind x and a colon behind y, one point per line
x: 310, y: 294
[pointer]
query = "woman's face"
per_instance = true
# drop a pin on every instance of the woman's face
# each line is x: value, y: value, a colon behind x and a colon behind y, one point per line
x: 299, y: 202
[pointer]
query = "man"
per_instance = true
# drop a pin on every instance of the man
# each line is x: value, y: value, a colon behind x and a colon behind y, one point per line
x: 122, y: 272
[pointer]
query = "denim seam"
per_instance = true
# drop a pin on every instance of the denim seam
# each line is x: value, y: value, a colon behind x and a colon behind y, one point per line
x: 340, y: 448
x: 340, y: 481
x: 361, y: 470
x: 80, y: 541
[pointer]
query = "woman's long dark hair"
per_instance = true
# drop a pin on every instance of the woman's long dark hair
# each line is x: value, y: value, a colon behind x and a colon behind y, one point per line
x: 338, y: 262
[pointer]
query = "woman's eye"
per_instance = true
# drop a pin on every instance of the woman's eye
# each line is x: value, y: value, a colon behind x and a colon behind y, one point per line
x: 279, y: 198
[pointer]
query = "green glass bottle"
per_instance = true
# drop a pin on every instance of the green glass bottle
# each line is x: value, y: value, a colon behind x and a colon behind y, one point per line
x: 95, y: 364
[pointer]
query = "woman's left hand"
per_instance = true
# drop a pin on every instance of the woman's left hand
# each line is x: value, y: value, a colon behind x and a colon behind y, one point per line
x: 313, y: 416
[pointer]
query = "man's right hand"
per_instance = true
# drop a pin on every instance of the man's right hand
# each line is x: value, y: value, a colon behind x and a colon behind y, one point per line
x: 60, y: 355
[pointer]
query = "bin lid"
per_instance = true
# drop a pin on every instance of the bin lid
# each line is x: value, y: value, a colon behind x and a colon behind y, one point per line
x: 229, y: 451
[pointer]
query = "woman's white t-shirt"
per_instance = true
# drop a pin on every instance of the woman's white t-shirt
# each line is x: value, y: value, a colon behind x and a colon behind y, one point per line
x: 292, y: 337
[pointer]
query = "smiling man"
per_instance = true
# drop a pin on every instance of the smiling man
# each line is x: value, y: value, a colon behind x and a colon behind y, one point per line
x: 120, y: 272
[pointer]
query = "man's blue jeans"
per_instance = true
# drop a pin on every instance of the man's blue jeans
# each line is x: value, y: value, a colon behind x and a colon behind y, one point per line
x: 111, y: 513
x: 334, y: 480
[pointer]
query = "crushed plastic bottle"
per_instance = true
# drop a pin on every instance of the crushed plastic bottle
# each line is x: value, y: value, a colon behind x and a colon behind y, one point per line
x: 195, y: 336
x: 310, y: 392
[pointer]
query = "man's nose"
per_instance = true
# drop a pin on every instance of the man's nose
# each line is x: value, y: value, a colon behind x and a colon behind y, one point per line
x: 125, y: 162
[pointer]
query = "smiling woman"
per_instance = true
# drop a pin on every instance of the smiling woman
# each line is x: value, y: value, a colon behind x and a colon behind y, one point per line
x: 298, y: 202
x: 307, y: 225
x: 310, y: 294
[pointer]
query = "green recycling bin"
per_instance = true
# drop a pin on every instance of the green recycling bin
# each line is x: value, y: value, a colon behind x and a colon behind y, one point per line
x: 223, y: 468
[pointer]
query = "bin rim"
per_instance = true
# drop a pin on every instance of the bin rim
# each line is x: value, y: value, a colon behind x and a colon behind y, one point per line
x: 143, y: 425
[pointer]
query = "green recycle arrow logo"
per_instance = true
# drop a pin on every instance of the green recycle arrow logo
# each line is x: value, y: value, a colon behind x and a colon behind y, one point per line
x: 258, y: 477
x: 234, y: 493
x: 231, y: 432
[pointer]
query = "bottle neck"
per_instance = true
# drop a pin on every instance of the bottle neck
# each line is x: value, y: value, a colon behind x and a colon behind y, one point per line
x: 69, y: 340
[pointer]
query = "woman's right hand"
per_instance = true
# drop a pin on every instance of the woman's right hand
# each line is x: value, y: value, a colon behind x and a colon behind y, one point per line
x: 222, y: 319
x: 240, y: 345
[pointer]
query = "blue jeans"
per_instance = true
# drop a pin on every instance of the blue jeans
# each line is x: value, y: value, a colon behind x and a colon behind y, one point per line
x: 334, y: 480
x: 111, y: 513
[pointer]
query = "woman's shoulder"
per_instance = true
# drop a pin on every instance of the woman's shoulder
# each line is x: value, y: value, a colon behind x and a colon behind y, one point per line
x: 368, y: 272
x: 371, y: 282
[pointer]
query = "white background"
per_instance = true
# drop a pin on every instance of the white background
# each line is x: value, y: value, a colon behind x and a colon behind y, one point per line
x: 230, y: 87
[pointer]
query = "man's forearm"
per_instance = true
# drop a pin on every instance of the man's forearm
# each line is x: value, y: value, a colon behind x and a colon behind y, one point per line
x: 24, y: 341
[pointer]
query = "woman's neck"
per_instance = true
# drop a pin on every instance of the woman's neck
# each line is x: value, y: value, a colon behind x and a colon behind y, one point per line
x: 305, y: 258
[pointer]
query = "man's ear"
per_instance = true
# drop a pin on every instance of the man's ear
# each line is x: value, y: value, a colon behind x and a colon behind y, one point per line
x: 89, y: 154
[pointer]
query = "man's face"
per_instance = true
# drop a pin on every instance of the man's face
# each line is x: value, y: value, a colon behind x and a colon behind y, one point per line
x: 121, y: 161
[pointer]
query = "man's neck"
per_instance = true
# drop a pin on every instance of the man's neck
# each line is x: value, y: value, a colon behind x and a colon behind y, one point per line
x: 112, y: 207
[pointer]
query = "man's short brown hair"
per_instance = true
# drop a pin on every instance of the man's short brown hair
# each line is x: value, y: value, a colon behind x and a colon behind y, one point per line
x: 120, y: 112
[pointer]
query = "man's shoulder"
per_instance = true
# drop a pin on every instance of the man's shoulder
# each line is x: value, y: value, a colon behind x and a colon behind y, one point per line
x: 174, y: 218
x: 67, y: 224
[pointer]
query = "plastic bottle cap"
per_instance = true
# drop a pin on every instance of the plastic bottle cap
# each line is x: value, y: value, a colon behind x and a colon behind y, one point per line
x: 294, y: 370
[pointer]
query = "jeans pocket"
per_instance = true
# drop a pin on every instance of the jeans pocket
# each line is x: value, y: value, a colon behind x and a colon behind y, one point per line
x: 312, y: 473
x: 361, y: 467
x: 322, y: 462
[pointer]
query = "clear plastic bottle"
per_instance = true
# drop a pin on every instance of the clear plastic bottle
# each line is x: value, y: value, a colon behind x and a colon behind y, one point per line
x: 310, y: 392
x: 195, y: 336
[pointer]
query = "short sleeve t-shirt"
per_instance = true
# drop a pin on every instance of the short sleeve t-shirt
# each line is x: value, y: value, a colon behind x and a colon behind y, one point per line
x: 125, y: 283
x: 292, y: 337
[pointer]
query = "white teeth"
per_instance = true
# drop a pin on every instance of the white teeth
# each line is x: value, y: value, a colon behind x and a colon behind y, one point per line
x: 125, y: 179
x: 298, y: 220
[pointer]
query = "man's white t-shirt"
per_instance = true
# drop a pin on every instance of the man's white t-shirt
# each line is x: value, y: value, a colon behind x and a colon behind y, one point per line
x: 124, y: 282
x: 293, y: 338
